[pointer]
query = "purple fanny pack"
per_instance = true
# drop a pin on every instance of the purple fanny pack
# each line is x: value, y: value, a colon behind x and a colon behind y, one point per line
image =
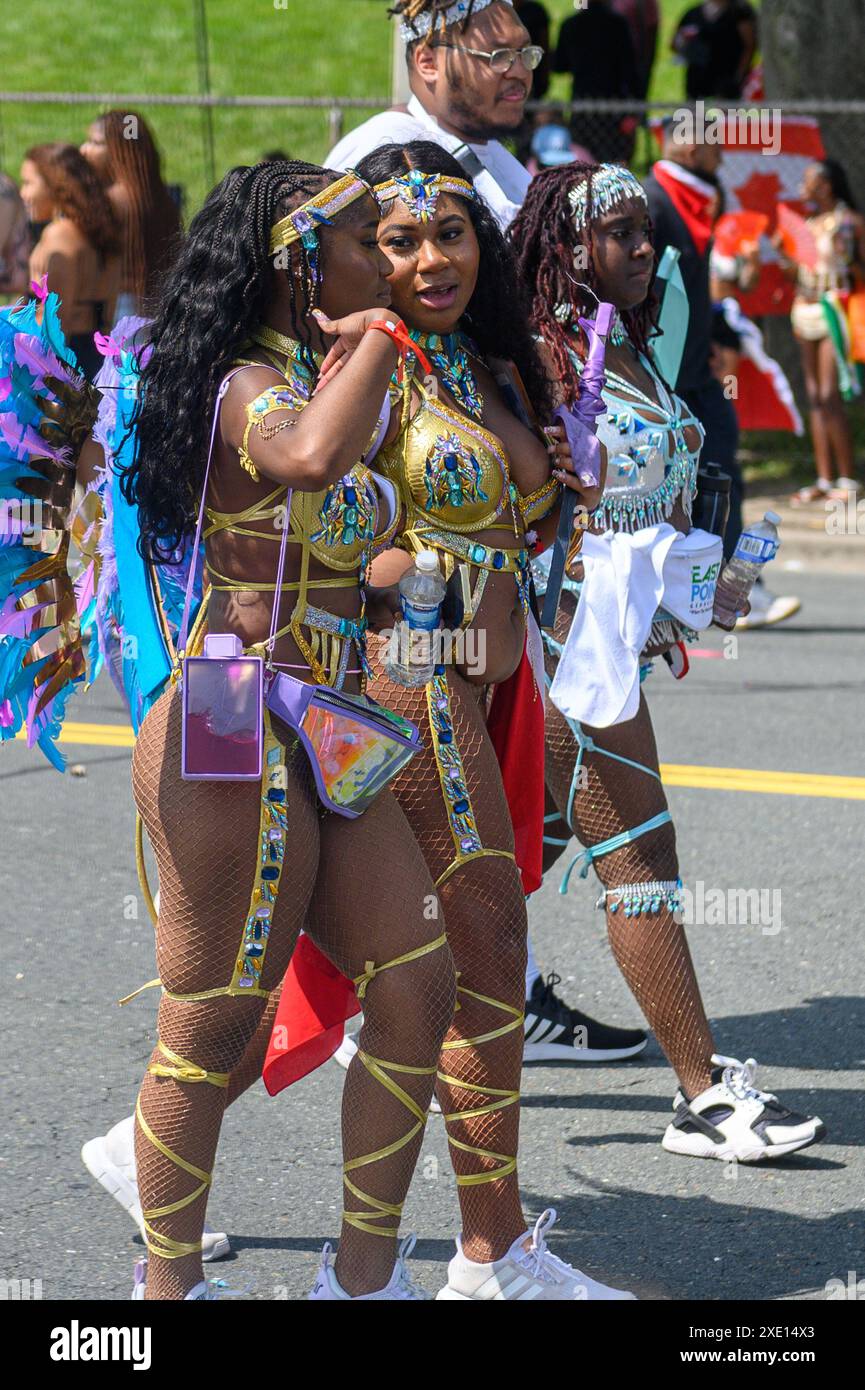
x: 355, y: 747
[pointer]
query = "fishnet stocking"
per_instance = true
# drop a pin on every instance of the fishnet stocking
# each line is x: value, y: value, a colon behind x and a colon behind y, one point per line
x: 485, y: 911
x: 205, y: 837
x: 651, y: 949
x: 375, y: 901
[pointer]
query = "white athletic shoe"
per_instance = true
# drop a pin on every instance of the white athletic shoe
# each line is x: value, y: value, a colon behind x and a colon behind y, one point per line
x: 525, y: 1273
x: 208, y: 1290
x: 347, y: 1051
x: 767, y: 610
x: 401, y: 1286
x: 734, y: 1119
x: 111, y: 1160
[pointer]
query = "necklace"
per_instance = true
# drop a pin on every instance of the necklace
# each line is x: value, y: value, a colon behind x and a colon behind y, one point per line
x: 448, y: 354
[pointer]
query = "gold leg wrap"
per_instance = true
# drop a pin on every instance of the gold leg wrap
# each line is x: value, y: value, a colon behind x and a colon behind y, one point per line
x: 379, y: 1069
x: 505, y: 1163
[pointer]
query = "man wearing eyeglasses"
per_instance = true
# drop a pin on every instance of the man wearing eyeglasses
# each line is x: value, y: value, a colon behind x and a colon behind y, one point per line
x: 470, y: 70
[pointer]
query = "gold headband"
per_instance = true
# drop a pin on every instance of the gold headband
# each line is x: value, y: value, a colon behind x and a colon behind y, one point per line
x: 303, y: 224
x: 420, y: 192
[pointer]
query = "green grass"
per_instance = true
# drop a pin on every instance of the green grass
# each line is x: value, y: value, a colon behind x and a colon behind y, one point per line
x: 257, y: 47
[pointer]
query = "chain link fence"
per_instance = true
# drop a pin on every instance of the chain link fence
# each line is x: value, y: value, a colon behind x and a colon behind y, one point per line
x: 202, y: 136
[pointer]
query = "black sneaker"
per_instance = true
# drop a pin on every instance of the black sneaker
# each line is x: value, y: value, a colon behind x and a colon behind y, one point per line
x: 557, y: 1033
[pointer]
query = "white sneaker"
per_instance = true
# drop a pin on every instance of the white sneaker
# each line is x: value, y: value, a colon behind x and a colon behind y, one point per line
x: 734, y: 1119
x: 208, y: 1290
x: 524, y: 1273
x: 766, y: 609
x: 111, y: 1160
x: 400, y: 1287
x: 347, y: 1051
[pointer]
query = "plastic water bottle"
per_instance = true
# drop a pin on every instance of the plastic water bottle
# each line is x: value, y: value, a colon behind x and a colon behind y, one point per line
x: 755, y: 548
x: 410, y: 658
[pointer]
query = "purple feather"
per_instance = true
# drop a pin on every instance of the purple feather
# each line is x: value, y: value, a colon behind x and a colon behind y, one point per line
x: 39, y: 360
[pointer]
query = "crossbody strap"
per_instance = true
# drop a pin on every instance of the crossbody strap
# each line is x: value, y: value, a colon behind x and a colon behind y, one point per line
x: 184, y: 625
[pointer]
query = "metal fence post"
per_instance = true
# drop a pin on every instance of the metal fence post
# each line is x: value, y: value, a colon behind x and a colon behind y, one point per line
x: 334, y: 125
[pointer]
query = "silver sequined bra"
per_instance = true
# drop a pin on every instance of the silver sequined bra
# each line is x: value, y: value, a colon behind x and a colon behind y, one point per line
x: 649, y: 466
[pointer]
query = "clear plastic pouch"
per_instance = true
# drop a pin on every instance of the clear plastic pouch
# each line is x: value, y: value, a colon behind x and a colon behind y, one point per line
x: 222, y: 733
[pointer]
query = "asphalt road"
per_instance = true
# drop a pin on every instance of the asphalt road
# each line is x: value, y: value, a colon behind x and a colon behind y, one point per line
x: 788, y: 992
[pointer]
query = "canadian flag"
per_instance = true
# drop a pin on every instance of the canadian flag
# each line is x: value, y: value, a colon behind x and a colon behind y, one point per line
x: 757, y: 182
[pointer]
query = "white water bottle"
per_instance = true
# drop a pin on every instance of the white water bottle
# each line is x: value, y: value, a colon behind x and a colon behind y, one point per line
x: 756, y: 546
x: 411, y: 654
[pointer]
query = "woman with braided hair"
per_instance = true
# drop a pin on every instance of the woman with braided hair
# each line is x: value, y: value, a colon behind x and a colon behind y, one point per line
x: 236, y: 349
x: 584, y: 235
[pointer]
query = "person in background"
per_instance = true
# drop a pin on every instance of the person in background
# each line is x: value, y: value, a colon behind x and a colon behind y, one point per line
x: 644, y: 21
x: 683, y: 190
x: 122, y: 152
x: 552, y: 144
x: 471, y: 64
x: 839, y: 236
x: 14, y: 239
x: 79, y: 249
x: 536, y: 18
x: 717, y: 41
x: 595, y: 49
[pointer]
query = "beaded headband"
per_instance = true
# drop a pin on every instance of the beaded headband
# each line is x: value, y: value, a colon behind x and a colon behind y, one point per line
x: 304, y: 222
x: 420, y: 192
x: 412, y: 29
x: 611, y: 186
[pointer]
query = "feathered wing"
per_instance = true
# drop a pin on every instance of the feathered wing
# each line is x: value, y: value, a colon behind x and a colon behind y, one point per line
x: 47, y: 598
x: 138, y: 605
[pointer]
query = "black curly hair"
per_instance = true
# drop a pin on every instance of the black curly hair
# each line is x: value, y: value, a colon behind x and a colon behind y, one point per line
x: 544, y: 237
x: 217, y: 290
x: 498, y: 315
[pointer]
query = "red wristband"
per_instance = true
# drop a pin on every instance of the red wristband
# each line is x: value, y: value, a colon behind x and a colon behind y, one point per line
x: 404, y: 342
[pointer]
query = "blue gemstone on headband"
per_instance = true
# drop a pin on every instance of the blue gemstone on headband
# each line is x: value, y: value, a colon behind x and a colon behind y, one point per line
x: 460, y: 807
x: 498, y: 559
x: 270, y: 873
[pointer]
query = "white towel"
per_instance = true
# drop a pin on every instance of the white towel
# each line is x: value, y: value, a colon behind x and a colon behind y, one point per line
x: 628, y: 577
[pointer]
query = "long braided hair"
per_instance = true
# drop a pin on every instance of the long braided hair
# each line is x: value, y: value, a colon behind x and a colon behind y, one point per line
x: 213, y: 296
x: 153, y: 226
x: 545, y: 240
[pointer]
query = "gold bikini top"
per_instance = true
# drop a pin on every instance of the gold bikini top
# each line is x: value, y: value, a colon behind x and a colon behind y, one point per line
x: 453, y: 473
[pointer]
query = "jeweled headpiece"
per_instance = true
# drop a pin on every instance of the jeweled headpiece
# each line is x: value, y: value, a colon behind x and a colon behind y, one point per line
x: 417, y: 27
x: 420, y: 192
x: 612, y: 185
x: 303, y: 224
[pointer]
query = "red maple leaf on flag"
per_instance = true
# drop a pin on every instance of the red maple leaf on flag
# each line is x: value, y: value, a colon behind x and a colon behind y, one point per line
x: 761, y: 193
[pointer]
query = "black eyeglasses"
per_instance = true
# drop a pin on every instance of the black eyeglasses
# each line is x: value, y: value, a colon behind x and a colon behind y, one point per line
x: 502, y: 59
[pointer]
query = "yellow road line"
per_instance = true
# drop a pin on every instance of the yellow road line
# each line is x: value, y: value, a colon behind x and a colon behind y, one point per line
x: 730, y: 779
x: 745, y: 779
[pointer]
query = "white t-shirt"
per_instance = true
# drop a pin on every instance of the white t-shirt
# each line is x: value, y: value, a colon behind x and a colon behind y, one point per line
x: 502, y: 184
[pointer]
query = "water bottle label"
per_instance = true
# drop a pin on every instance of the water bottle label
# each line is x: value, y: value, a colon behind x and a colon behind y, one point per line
x: 757, y: 549
x: 420, y: 619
